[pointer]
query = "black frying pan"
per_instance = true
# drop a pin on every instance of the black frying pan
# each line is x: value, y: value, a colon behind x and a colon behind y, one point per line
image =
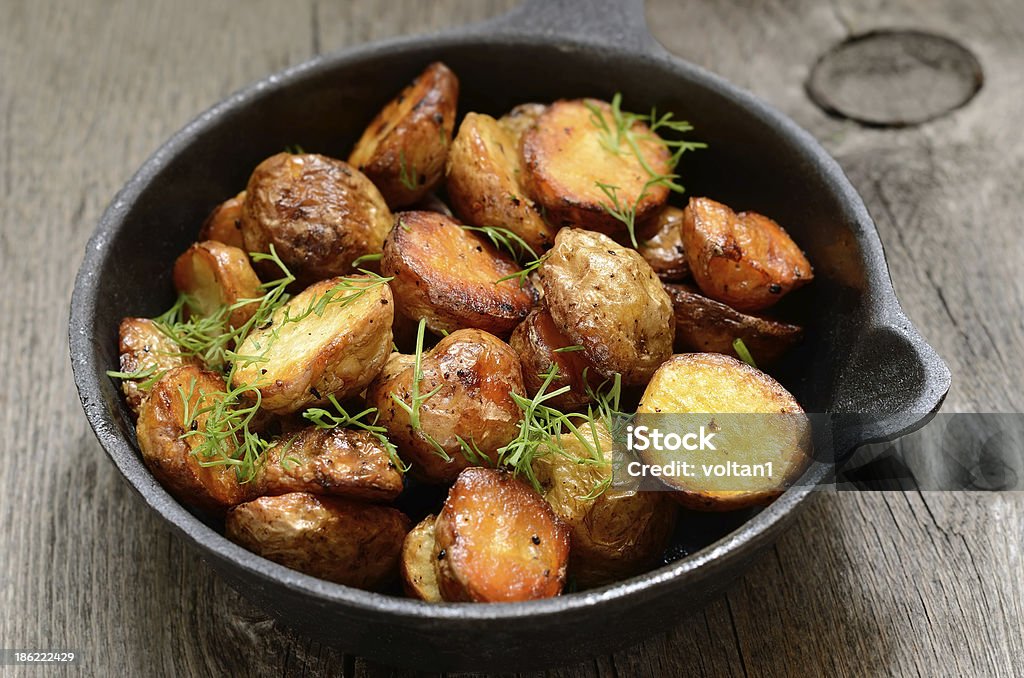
x: 861, y: 355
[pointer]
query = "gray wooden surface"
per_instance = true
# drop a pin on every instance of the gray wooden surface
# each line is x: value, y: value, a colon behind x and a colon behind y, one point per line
x: 865, y: 584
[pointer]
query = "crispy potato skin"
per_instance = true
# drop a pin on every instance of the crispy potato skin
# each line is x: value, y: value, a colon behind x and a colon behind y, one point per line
x: 338, y: 462
x: 718, y: 384
x: 497, y: 540
x: 565, y: 160
x: 483, y: 179
x: 225, y: 223
x: 536, y: 340
x: 419, y: 566
x: 606, y: 298
x: 476, y: 373
x: 410, y: 138
x: 213, y: 275
x: 170, y: 457
x: 446, y: 274
x: 745, y: 260
x: 320, y: 214
x: 335, y: 539
x: 615, y: 535
x: 664, y: 250
x: 338, y: 352
x: 142, y: 346
x: 522, y: 118
x: 709, y: 326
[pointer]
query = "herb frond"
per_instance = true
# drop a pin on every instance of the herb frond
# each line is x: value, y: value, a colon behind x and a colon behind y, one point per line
x: 743, y: 352
x: 322, y: 418
x: 406, y: 175
x: 359, y: 261
x: 523, y: 275
x: 416, y: 399
x: 502, y: 238
x: 569, y: 349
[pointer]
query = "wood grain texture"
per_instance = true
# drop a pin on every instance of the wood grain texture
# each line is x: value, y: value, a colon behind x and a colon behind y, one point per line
x: 865, y: 584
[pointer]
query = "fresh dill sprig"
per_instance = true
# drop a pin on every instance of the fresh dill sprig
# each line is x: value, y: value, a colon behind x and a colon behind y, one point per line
x: 322, y: 418
x: 569, y: 349
x: 359, y: 261
x: 407, y: 177
x: 294, y: 149
x: 743, y: 352
x: 416, y: 399
x: 502, y: 238
x: 524, y: 274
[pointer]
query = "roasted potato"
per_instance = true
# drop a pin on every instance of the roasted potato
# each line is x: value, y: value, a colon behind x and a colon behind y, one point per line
x: 214, y: 275
x: 338, y: 462
x: 745, y: 260
x: 540, y: 345
x: 172, y: 455
x: 403, y: 150
x: 522, y: 118
x: 149, y: 353
x: 567, y: 158
x: 472, y: 375
x: 615, y: 534
x: 484, y: 182
x: 335, y: 539
x: 419, y: 566
x: 333, y: 338
x: 663, y: 249
x: 225, y: 223
x: 709, y: 326
x: 320, y: 214
x: 447, y: 275
x: 756, y: 422
x: 606, y: 298
x: 497, y: 540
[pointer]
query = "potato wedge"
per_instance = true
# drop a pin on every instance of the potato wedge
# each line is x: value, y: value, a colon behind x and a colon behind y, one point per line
x: 567, y: 158
x: 214, y: 275
x: 745, y: 260
x: 333, y: 338
x: 320, y: 214
x: 540, y: 345
x: 174, y: 459
x: 709, y: 326
x: 484, y: 185
x: 664, y: 250
x: 756, y: 421
x: 472, y: 375
x: 149, y: 353
x: 225, y: 223
x: 403, y: 150
x: 446, y: 274
x: 615, y: 534
x: 335, y: 539
x: 497, y: 540
x: 606, y: 298
x: 419, y: 566
x: 522, y: 118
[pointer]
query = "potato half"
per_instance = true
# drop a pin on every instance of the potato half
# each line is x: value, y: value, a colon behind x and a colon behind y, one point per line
x: 419, y: 565
x: 335, y: 539
x: 403, y: 150
x: 147, y: 351
x: 522, y: 118
x: 606, y: 298
x: 225, y: 223
x: 320, y: 214
x: 214, y: 275
x: 333, y: 338
x: 540, y: 345
x: 447, y: 275
x: 745, y: 260
x: 664, y: 250
x: 756, y: 421
x: 484, y: 182
x: 497, y: 540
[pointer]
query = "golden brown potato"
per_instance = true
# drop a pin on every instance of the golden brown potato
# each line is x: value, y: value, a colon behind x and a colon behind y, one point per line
x: 537, y: 341
x: 522, y: 118
x: 709, y: 326
x: 497, y: 540
x: 214, y: 275
x: 331, y: 538
x: 484, y: 186
x: 225, y: 223
x: 663, y: 250
x: 149, y: 353
x: 567, y: 155
x: 606, y: 298
x: 745, y: 260
x: 171, y: 455
x: 320, y: 214
x: 474, y: 374
x: 404, y: 148
x: 615, y: 534
x: 755, y: 421
x: 419, y: 566
x: 337, y: 462
x: 446, y: 274
x: 333, y: 338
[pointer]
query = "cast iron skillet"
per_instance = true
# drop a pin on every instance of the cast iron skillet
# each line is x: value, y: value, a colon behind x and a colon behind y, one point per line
x: 861, y: 355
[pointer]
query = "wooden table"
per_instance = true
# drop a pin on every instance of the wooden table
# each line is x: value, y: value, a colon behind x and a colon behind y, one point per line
x: 865, y: 584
